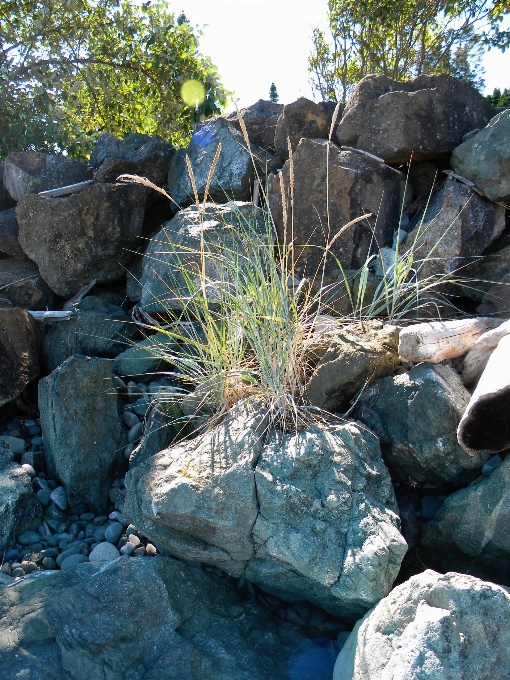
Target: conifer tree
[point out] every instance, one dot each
(273, 94)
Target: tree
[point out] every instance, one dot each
(273, 94)
(70, 70)
(498, 98)
(402, 39)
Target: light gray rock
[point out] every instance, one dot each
(485, 159)
(97, 328)
(104, 552)
(223, 228)
(82, 430)
(29, 172)
(19, 352)
(234, 174)
(317, 520)
(145, 358)
(432, 627)
(22, 284)
(139, 618)
(19, 508)
(416, 416)
(426, 117)
(470, 532)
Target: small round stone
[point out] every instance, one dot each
(116, 516)
(127, 549)
(29, 470)
(29, 567)
(59, 497)
(150, 549)
(134, 434)
(133, 538)
(43, 496)
(29, 537)
(129, 419)
(6, 569)
(104, 552)
(74, 559)
(140, 551)
(49, 563)
(99, 534)
(131, 529)
(113, 532)
(87, 516)
(18, 572)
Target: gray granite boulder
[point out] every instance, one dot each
(19, 508)
(9, 234)
(97, 328)
(19, 352)
(84, 236)
(426, 117)
(416, 416)
(358, 184)
(22, 284)
(470, 531)
(260, 120)
(29, 172)
(302, 118)
(149, 617)
(485, 159)
(82, 430)
(234, 174)
(223, 228)
(311, 516)
(432, 627)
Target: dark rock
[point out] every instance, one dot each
(358, 185)
(82, 430)
(423, 176)
(29, 172)
(19, 352)
(85, 236)
(6, 202)
(302, 118)
(426, 117)
(329, 109)
(496, 302)
(22, 284)
(416, 416)
(144, 155)
(146, 357)
(410, 529)
(9, 234)
(429, 507)
(96, 329)
(260, 120)
(150, 617)
(163, 426)
(20, 510)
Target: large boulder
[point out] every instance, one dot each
(485, 159)
(22, 284)
(223, 228)
(426, 117)
(358, 184)
(97, 328)
(302, 118)
(9, 234)
(451, 233)
(149, 617)
(29, 172)
(356, 353)
(416, 416)
(144, 155)
(19, 352)
(234, 174)
(84, 236)
(470, 531)
(82, 430)
(19, 508)
(145, 358)
(432, 627)
(309, 515)
(260, 120)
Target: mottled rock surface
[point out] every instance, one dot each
(19, 352)
(22, 284)
(9, 234)
(302, 118)
(260, 120)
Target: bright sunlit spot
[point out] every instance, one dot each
(192, 93)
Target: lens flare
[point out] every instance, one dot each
(192, 93)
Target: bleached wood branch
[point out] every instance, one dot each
(51, 317)
(477, 357)
(65, 191)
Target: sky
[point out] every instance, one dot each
(256, 42)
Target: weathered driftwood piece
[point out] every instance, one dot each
(76, 298)
(485, 424)
(476, 359)
(436, 341)
(51, 317)
(65, 191)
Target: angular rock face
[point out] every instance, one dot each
(485, 159)
(426, 117)
(302, 118)
(260, 120)
(98, 621)
(19, 352)
(85, 236)
(9, 234)
(234, 174)
(416, 416)
(356, 353)
(29, 172)
(222, 226)
(358, 185)
(96, 329)
(144, 357)
(455, 229)
(470, 532)
(19, 508)
(447, 626)
(310, 517)
(496, 302)
(82, 430)
(22, 284)
(136, 154)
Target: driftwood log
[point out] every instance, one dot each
(65, 191)
(51, 317)
(477, 357)
(436, 341)
(485, 424)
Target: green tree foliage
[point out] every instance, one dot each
(402, 39)
(498, 98)
(273, 93)
(72, 69)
